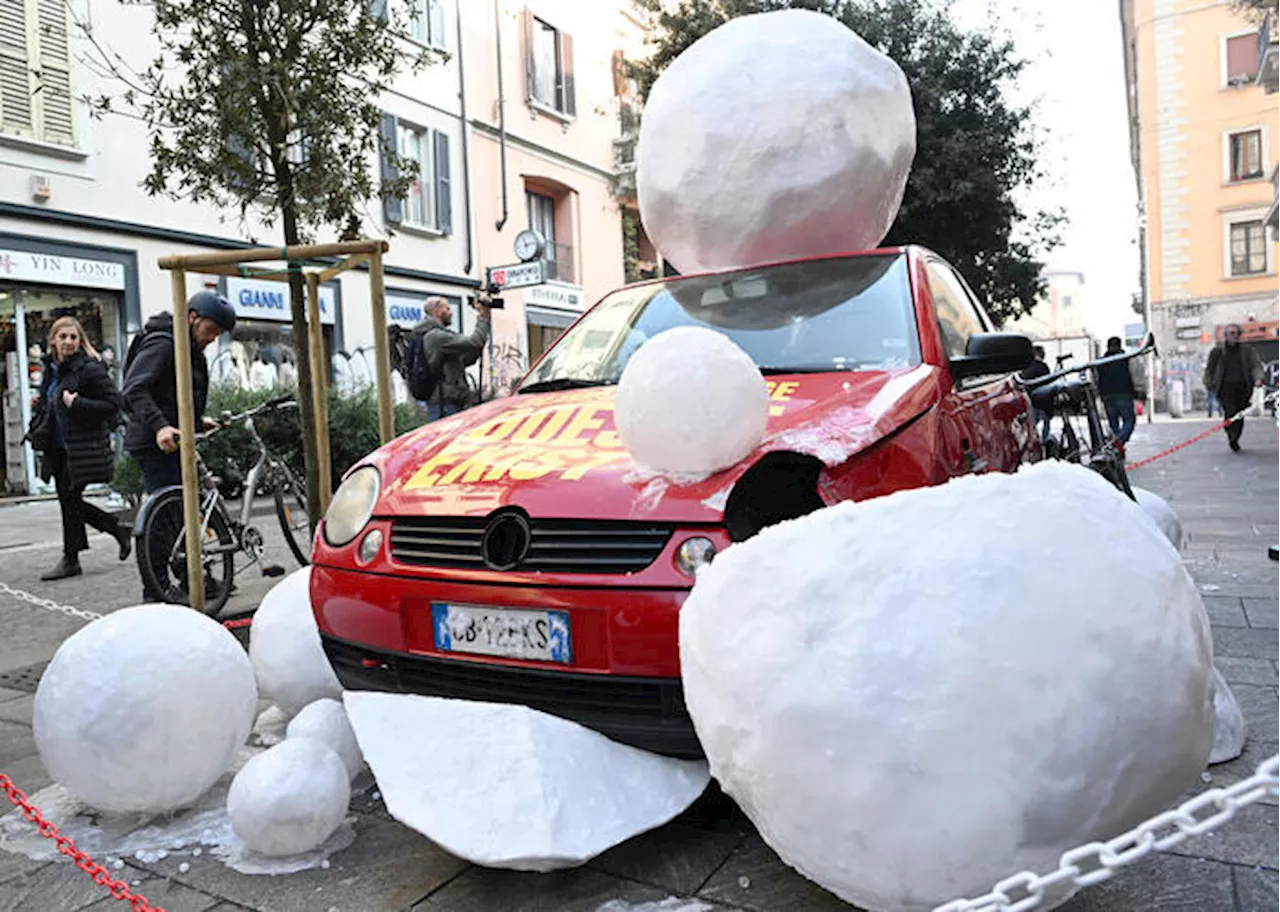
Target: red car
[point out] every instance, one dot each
(514, 553)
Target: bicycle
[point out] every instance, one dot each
(1072, 393)
(162, 544)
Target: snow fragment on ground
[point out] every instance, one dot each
(1158, 509)
(284, 646)
(877, 683)
(670, 904)
(270, 728)
(1228, 722)
(290, 798)
(690, 402)
(775, 136)
(143, 710)
(509, 787)
(326, 721)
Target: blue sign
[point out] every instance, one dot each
(258, 299)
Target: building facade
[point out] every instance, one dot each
(1204, 138)
(78, 234)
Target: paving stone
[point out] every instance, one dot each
(675, 857)
(27, 773)
(57, 886)
(1247, 671)
(18, 710)
(1257, 748)
(1249, 838)
(16, 742)
(1244, 643)
(1256, 889)
(1263, 613)
(1224, 611)
(1161, 883)
(770, 884)
(1259, 705)
(573, 890)
(159, 892)
(14, 865)
(6, 694)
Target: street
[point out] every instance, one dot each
(710, 855)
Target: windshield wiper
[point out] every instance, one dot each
(829, 369)
(563, 383)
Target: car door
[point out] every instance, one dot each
(986, 423)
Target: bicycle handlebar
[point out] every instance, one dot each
(272, 403)
(1148, 347)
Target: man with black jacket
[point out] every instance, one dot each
(1231, 372)
(450, 354)
(1119, 384)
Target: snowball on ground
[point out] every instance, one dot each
(143, 710)
(776, 136)
(1228, 722)
(1161, 514)
(284, 645)
(290, 798)
(326, 721)
(690, 402)
(878, 683)
(510, 787)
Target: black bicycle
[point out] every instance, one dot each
(1071, 396)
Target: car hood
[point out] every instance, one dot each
(558, 455)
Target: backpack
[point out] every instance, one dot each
(420, 375)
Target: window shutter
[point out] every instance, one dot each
(1242, 57)
(444, 198)
(530, 71)
(16, 114)
(57, 117)
(392, 207)
(566, 66)
(435, 14)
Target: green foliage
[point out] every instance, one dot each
(630, 246)
(126, 480)
(976, 150)
(1256, 10)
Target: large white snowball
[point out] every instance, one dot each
(1228, 722)
(326, 721)
(690, 402)
(289, 798)
(1161, 514)
(776, 136)
(913, 698)
(510, 787)
(143, 710)
(284, 645)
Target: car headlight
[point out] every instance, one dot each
(352, 506)
(694, 554)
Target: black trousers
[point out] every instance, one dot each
(76, 512)
(1235, 398)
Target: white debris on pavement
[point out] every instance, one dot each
(670, 904)
(284, 645)
(1228, 722)
(509, 787)
(290, 798)
(878, 683)
(270, 728)
(774, 137)
(690, 401)
(1161, 514)
(143, 710)
(326, 721)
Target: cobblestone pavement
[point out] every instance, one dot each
(710, 855)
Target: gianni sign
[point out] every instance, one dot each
(256, 299)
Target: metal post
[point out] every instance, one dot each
(382, 356)
(24, 386)
(187, 440)
(319, 390)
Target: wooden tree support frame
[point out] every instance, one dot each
(231, 263)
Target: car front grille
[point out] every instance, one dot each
(555, 545)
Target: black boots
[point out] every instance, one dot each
(68, 566)
(124, 536)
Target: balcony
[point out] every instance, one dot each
(560, 264)
(1268, 70)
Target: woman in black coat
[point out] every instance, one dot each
(76, 409)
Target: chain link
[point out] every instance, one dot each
(48, 604)
(1098, 861)
(100, 875)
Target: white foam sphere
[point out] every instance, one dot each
(1161, 514)
(284, 645)
(775, 136)
(912, 698)
(326, 721)
(143, 710)
(1228, 722)
(690, 402)
(290, 798)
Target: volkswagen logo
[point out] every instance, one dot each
(505, 542)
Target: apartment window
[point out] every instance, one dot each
(426, 22)
(1245, 150)
(429, 202)
(1240, 58)
(549, 66)
(35, 72)
(541, 210)
(1248, 243)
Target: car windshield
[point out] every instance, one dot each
(848, 313)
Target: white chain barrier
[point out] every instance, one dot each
(1098, 861)
(47, 604)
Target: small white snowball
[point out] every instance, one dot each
(1161, 514)
(284, 645)
(690, 402)
(880, 682)
(1228, 722)
(326, 721)
(773, 137)
(143, 710)
(184, 868)
(290, 798)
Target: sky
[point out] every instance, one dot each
(1076, 77)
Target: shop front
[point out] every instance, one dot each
(549, 310)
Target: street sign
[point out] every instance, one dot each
(517, 275)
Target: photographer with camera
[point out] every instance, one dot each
(437, 359)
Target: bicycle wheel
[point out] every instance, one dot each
(1070, 447)
(162, 554)
(291, 510)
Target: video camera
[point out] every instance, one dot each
(488, 297)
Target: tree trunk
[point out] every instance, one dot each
(302, 351)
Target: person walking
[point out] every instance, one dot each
(449, 354)
(76, 408)
(1119, 384)
(1231, 372)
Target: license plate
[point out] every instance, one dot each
(512, 633)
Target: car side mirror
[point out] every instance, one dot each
(993, 353)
